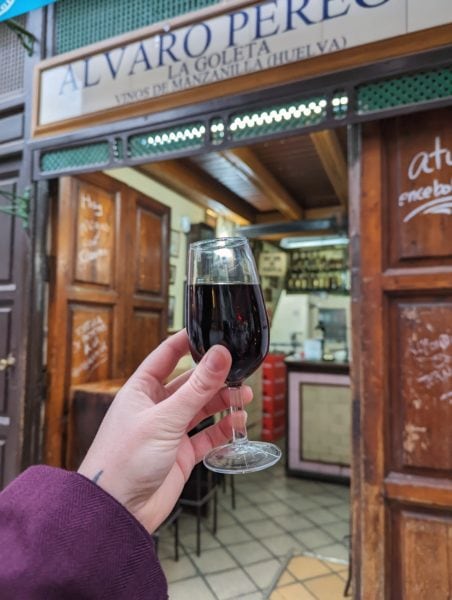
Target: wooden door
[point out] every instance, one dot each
(147, 262)
(14, 246)
(401, 247)
(108, 296)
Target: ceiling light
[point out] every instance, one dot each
(290, 243)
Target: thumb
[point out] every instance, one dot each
(205, 381)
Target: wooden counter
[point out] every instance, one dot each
(317, 366)
(318, 419)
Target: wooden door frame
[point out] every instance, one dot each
(366, 465)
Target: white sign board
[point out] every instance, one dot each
(258, 37)
(272, 264)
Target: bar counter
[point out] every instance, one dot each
(318, 419)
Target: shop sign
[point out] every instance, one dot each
(272, 264)
(14, 8)
(232, 44)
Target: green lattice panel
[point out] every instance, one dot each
(278, 118)
(56, 161)
(82, 22)
(166, 141)
(217, 131)
(407, 89)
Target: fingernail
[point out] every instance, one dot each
(215, 359)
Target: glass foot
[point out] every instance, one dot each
(242, 457)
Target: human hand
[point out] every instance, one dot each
(142, 454)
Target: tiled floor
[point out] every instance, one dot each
(310, 578)
(275, 518)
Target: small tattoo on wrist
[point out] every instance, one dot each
(96, 477)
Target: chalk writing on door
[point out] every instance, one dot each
(89, 346)
(436, 196)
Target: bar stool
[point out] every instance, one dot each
(200, 488)
(172, 519)
(223, 480)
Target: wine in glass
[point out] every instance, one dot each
(225, 306)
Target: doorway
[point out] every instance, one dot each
(285, 180)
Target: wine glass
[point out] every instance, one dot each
(225, 306)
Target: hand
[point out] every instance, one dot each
(142, 454)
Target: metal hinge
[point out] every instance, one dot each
(26, 38)
(19, 205)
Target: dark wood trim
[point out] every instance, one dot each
(32, 385)
(190, 180)
(435, 278)
(426, 492)
(248, 165)
(333, 161)
(311, 366)
(354, 177)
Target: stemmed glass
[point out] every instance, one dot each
(225, 306)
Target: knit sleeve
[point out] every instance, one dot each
(62, 536)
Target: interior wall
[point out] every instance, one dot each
(180, 208)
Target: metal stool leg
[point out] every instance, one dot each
(198, 530)
(232, 492)
(215, 511)
(176, 539)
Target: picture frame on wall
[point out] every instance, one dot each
(171, 306)
(174, 243)
(172, 276)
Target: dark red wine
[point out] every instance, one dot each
(233, 315)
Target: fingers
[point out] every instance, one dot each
(211, 437)
(162, 361)
(219, 403)
(202, 386)
(175, 383)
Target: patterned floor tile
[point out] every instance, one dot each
(230, 584)
(264, 573)
(234, 534)
(214, 561)
(249, 552)
(282, 545)
(191, 588)
(263, 529)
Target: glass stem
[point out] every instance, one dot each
(239, 434)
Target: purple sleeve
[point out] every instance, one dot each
(62, 536)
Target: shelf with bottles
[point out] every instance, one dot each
(319, 270)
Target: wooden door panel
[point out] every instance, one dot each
(401, 251)
(15, 258)
(5, 349)
(423, 562)
(6, 237)
(421, 392)
(95, 239)
(149, 264)
(147, 296)
(90, 340)
(146, 333)
(108, 306)
(84, 320)
(418, 156)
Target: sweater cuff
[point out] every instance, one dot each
(63, 534)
